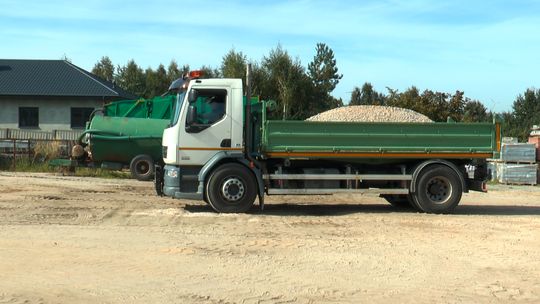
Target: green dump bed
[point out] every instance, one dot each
(337, 140)
(160, 107)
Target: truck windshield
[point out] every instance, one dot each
(177, 108)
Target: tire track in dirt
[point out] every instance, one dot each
(123, 244)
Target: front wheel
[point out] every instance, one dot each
(231, 188)
(438, 189)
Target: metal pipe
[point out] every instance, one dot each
(248, 130)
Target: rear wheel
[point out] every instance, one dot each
(231, 188)
(142, 167)
(438, 189)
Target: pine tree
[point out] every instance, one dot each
(131, 78)
(104, 68)
(323, 69)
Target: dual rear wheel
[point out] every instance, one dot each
(438, 190)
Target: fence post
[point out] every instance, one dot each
(29, 154)
(14, 154)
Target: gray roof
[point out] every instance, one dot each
(53, 78)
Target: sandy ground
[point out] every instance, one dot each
(89, 240)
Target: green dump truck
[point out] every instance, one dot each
(124, 134)
(226, 152)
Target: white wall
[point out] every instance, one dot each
(54, 113)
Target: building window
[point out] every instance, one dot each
(79, 117)
(28, 117)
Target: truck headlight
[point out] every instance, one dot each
(172, 173)
(164, 151)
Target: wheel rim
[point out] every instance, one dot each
(142, 167)
(233, 189)
(439, 189)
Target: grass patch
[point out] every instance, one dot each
(103, 173)
(26, 164)
(44, 151)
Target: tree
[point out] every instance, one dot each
(438, 106)
(288, 84)
(323, 69)
(210, 72)
(410, 99)
(356, 97)
(323, 72)
(104, 68)
(259, 81)
(157, 82)
(475, 111)
(174, 72)
(456, 106)
(526, 113)
(366, 96)
(433, 104)
(131, 78)
(233, 65)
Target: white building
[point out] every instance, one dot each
(48, 95)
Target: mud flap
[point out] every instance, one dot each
(158, 180)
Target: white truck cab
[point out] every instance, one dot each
(207, 124)
(216, 125)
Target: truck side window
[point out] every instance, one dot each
(210, 106)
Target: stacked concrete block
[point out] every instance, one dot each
(535, 140)
(517, 164)
(518, 153)
(520, 174)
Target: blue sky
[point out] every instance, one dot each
(489, 49)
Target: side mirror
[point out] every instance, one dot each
(176, 85)
(191, 115)
(193, 95)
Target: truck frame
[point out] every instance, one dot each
(237, 155)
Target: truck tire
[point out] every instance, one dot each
(231, 188)
(438, 189)
(142, 167)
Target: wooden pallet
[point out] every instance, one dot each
(519, 184)
(500, 161)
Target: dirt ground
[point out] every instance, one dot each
(90, 240)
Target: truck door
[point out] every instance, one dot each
(207, 126)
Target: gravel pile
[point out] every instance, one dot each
(370, 114)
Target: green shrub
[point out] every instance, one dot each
(24, 164)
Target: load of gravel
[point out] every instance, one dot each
(370, 114)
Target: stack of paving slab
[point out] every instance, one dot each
(517, 164)
(534, 138)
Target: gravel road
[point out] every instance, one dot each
(89, 240)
